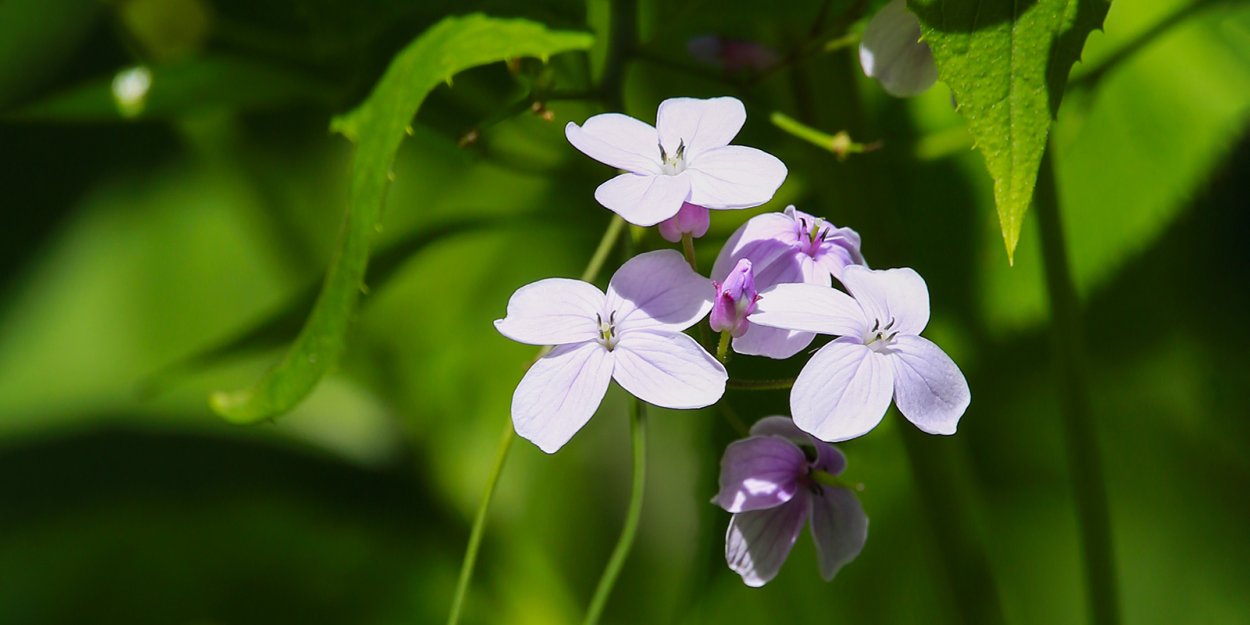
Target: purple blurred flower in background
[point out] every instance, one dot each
(691, 219)
(846, 387)
(684, 158)
(735, 299)
(786, 247)
(770, 482)
(732, 55)
(891, 52)
(633, 334)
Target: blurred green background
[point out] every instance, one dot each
(150, 259)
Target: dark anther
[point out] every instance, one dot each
(889, 325)
(612, 317)
(681, 149)
(663, 154)
(876, 325)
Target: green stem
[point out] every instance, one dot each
(760, 385)
(1080, 434)
(829, 479)
(638, 434)
(722, 348)
(687, 248)
(479, 525)
(610, 235)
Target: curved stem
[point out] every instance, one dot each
(638, 435)
(760, 385)
(479, 525)
(610, 235)
(1080, 434)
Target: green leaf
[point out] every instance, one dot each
(1006, 63)
(377, 127)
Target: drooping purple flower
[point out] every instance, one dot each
(735, 299)
(691, 219)
(768, 482)
(891, 52)
(631, 334)
(685, 157)
(846, 387)
(791, 246)
(732, 55)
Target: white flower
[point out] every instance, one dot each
(686, 157)
(892, 52)
(846, 387)
(633, 334)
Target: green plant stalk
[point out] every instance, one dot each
(760, 385)
(610, 235)
(1080, 433)
(722, 348)
(687, 248)
(638, 436)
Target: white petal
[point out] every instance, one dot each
(658, 290)
(617, 140)
(891, 52)
(775, 227)
(758, 542)
(699, 124)
(560, 393)
(890, 294)
(734, 177)
(842, 392)
(554, 311)
(810, 308)
(929, 388)
(668, 369)
(839, 528)
(644, 200)
(771, 342)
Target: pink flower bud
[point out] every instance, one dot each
(691, 218)
(735, 300)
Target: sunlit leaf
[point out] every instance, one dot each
(1006, 64)
(377, 127)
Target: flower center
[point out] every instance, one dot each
(880, 337)
(607, 330)
(811, 235)
(673, 164)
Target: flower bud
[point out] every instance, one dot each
(891, 52)
(691, 218)
(735, 300)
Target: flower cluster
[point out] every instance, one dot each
(779, 281)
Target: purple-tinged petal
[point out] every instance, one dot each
(560, 393)
(758, 542)
(838, 250)
(691, 219)
(772, 342)
(668, 369)
(658, 291)
(775, 228)
(758, 473)
(929, 388)
(842, 392)
(699, 125)
(734, 176)
(886, 295)
(839, 528)
(828, 458)
(735, 300)
(554, 311)
(810, 308)
(617, 140)
(644, 200)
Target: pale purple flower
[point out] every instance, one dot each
(632, 334)
(766, 481)
(691, 219)
(735, 299)
(891, 51)
(846, 387)
(792, 246)
(685, 157)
